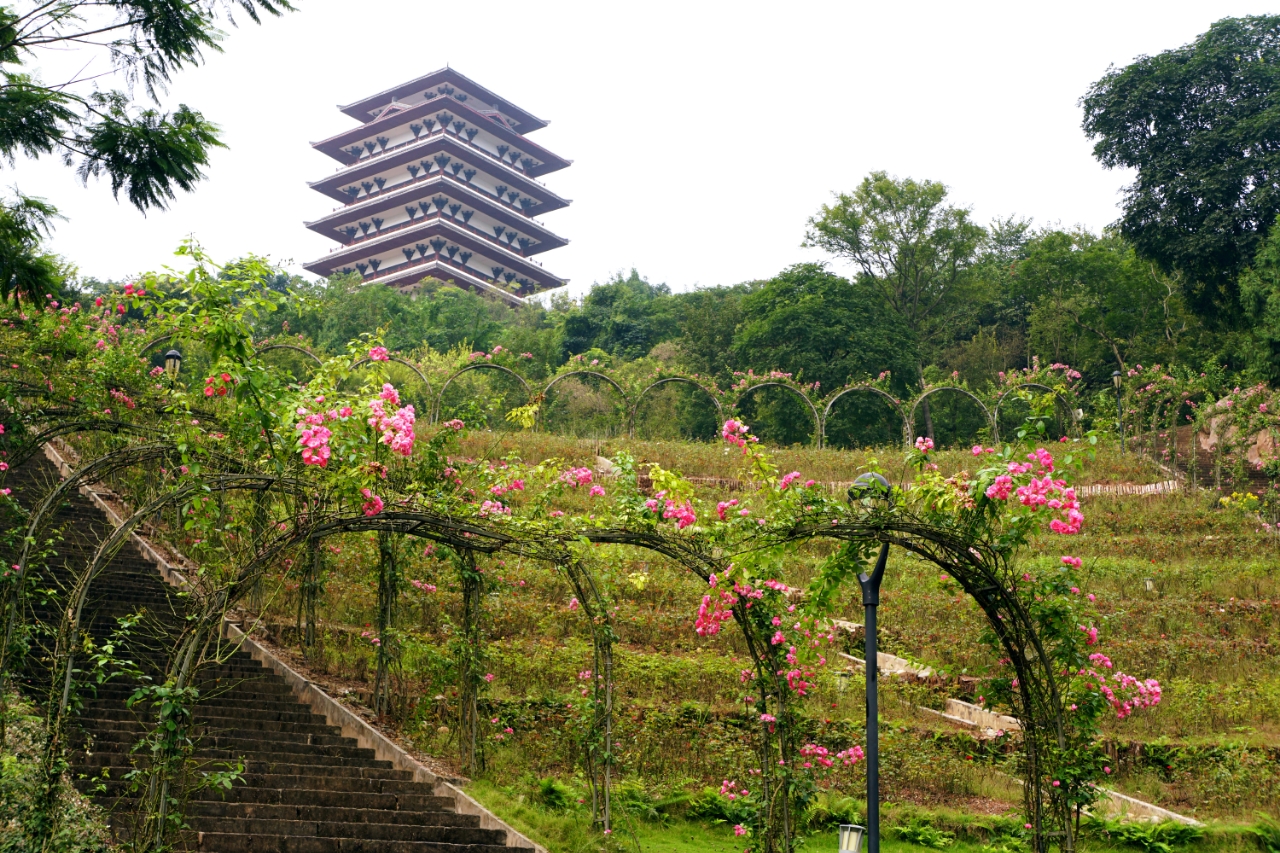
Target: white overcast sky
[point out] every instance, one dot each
(704, 134)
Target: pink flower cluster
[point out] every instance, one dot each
(500, 490)
(493, 508)
(315, 446)
(576, 477)
(372, 503)
(379, 354)
(725, 505)
(924, 444)
(711, 612)
(736, 433)
(788, 479)
(682, 513)
(396, 427)
(1129, 694)
(425, 587)
(1042, 491)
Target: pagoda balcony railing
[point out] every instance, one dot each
(439, 214)
(434, 257)
(527, 214)
(370, 156)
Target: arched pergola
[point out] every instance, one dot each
(893, 402)
(986, 413)
(483, 365)
(626, 401)
(813, 410)
(635, 408)
(1003, 395)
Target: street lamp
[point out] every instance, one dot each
(172, 363)
(873, 486)
(1116, 380)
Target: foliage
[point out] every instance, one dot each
(908, 244)
(1160, 837)
(80, 828)
(147, 153)
(1198, 125)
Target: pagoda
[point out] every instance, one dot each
(439, 181)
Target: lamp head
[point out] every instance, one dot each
(869, 485)
(172, 363)
(1115, 379)
(851, 837)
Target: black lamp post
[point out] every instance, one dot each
(1116, 381)
(872, 485)
(172, 363)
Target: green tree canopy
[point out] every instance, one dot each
(146, 153)
(1201, 125)
(822, 328)
(911, 246)
(1097, 304)
(625, 317)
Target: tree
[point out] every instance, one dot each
(25, 270)
(912, 247)
(147, 153)
(1119, 306)
(1260, 296)
(823, 328)
(1200, 125)
(625, 317)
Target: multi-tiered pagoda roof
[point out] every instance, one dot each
(440, 182)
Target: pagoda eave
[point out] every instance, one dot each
(363, 109)
(327, 226)
(332, 185)
(388, 243)
(335, 146)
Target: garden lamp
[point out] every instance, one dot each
(172, 363)
(851, 838)
(873, 486)
(1116, 380)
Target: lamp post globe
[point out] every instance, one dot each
(172, 363)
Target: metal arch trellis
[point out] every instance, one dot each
(398, 360)
(635, 408)
(294, 347)
(772, 383)
(626, 407)
(484, 365)
(1072, 411)
(892, 400)
(956, 388)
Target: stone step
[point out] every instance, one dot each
(241, 727)
(219, 842)
(220, 716)
(93, 765)
(382, 832)
(314, 797)
(272, 811)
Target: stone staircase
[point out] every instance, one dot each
(305, 788)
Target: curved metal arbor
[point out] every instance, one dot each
(635, 408)
(1072, 411)
(893, 401)
(484, 365)
(813, 410)
(593, 373)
